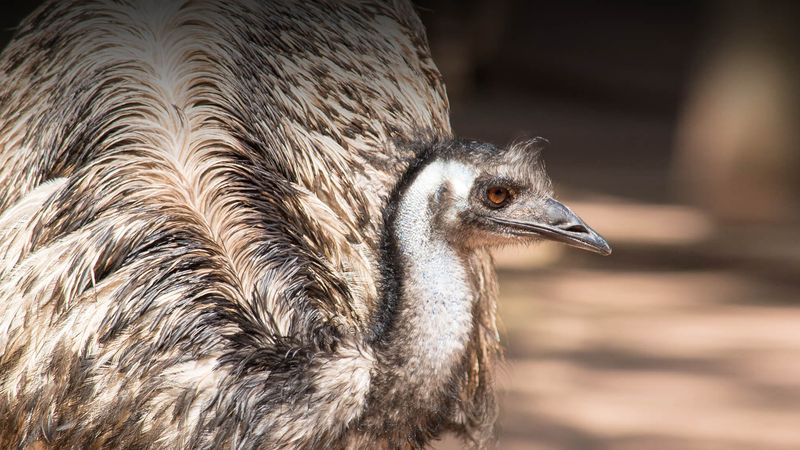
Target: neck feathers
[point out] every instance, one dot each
(428, 298)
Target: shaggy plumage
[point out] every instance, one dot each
(192, 196)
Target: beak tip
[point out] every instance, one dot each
(601, 247)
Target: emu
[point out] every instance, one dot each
(248, 225)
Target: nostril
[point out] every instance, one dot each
(577, 228)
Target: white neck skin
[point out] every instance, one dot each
(437, 298)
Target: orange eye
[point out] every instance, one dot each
(497, 195)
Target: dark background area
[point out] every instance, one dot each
(675, 131)
(13, 11)
(599, 79)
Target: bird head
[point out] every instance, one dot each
(482, 195)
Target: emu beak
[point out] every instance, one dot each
(560, 224)
(563, 225)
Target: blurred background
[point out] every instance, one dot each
(675, 132)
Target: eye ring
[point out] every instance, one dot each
(497, 196)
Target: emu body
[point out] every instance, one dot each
(191, 202)
(247, 225)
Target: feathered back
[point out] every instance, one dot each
(190, 206)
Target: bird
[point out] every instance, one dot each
(249, 225)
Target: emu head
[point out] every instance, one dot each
(484, 195)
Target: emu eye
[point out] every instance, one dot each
(497, 196)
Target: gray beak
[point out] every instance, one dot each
(560, 224)
(563, 225)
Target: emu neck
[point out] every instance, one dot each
(434, 315)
